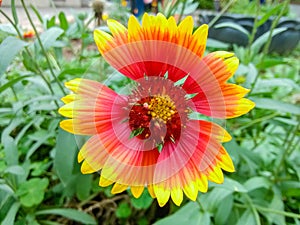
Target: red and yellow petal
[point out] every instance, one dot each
(91, 107)
(140, 49)
(186, 166)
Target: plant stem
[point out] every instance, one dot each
(254, 121)
(273, 26)
(286, 150)
(215, 19)
(12, 23)
(254, 210)
(270, 210)
(42, 47)
(182, 10)
(267, 45)
(253, 32)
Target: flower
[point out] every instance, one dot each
(28, 34)
(148, 138)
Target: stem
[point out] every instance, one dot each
(273, 26)
(267, 45)
(253, 32)
(254, 210)
(172, 8)
(12, 23)
(258, 120)
(270, 210)
(42, 47)
(286, 150)
(182, 10)
(215, 19)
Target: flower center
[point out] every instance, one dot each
(157, 111)
(161, 107)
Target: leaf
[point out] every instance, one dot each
(8, 28)
(83, 186)
(12, 82)
(246, 218)
(51, 22)
(224, 210)
(50, 36)
(143, 202)
(63, 21)
(32, 191)
(37, 13)
(17, 170)
(256, 183)
(270, 13)
(9, 48)
(290, 188)
(14, 12)
(212, 43)
(65, 153)
(231, 185)
(188, 214)
(123, 210)
(233, 26)
(72, 214)
(259, 42)
(6, 188)
(270, 62)
(11, 215)
(276, 82)
(266, 103)
(277, 204)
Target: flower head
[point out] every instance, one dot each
(29, 34)
(148, 138)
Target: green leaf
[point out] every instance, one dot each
(259, 42)
(14, 12)
(270, 62)
(247, 218)
(72, 214)
(12, 82)
(187, 214)
(65, 153)
(17, 170)
(212, 43)
(233, 26)
(256, 183)
(50, 36)
(123, 210)
(11, 215)
(231, 185)
(9, 48)
(136, 132)
(291, 188)
(270, 13)
(32, 191)
(143, 202)
(63, 21)
(51, 22)
(266, 103)
(83, 186)
(37, 13)
(223, 210)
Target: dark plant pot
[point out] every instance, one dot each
(286, 41)
(283, 42)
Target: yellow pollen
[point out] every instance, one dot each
(161, 107)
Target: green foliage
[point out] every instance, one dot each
(32, 191)
(40, 178)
